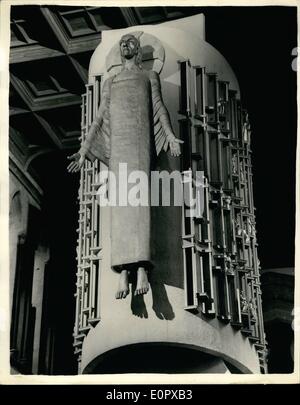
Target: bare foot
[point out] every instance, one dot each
(142, 284)
(123, 288)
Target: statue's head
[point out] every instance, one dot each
(130, 48)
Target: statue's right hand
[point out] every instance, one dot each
(77, 162)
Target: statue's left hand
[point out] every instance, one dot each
(175, 146)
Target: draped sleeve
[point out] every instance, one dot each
(96, 145)
(163, 132)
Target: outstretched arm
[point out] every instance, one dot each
(95, 127)
(164, 135)
(91, 140)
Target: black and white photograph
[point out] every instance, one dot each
(148, 168)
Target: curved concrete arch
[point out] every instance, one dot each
(210, 356)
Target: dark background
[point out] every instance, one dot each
(257, 42)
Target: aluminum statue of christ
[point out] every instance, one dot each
(131, 122)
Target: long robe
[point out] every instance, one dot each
(134, 118)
